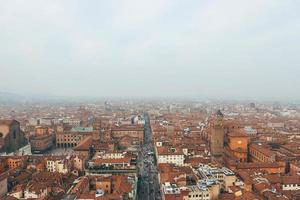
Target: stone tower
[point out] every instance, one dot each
(217, 135)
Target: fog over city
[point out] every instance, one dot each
(209, 49)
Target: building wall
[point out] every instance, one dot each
(57, 166)
(14, 162)
(112, 155)
(236, 144)
(214, 192)
(82, 153)
(132, 133)
(41, 130)
(199, 195)
(72, 122)
(256, 155)
(217, 140)
(228, 181)
(172, 159)
(3, 186)
(104, 185)
(41, 143)
(295, 186)
(4, 129)
(28, 195)
(61, 167)
(294, 169)
(78, 163)
(14, 139)
(64, 140)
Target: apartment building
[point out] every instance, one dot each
(57, 165)
(170, 155)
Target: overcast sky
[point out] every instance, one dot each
(217, 49)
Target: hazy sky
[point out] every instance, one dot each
(221, 49)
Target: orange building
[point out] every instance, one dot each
(103, 183)
(237, 145)
(14, 162)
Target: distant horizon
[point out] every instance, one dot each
(50, 98)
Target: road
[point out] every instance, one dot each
(148, 186)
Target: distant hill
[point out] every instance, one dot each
(12, 98)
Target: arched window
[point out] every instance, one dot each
(14, 134)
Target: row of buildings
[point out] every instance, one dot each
(94, 160)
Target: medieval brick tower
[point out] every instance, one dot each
(217, 135)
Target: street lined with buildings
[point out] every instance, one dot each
(149, 187)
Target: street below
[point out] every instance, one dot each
(148, 185)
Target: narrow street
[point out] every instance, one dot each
(148, 186)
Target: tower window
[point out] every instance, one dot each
(14, 134)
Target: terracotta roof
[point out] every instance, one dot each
(84, 145)
(238, 133)
(245, 196)
(261, 187)
(105, 197)
(258, 165)
(283, 179)
(169, 151)
(9, 198)
(197, 160)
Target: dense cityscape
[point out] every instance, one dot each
(150, 150)
(149, 100)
